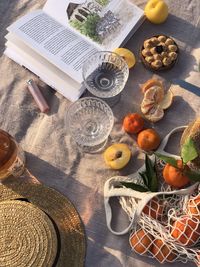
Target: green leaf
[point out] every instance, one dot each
(102, 2)
(149, 176)
(145, 178)
(134, 186)
(150, 170)
(188, 150)
(170, 160)
(192, 175)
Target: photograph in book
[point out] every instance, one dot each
(100, 20)
(106, 24)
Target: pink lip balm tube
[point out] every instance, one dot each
(37, 95)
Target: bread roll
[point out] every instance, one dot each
(193, 131)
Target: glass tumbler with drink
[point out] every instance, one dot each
(12, 158)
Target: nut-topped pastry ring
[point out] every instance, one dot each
(159, 53)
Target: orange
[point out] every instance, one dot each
(149, 83)
(186, 230)
(133, 123)
(155, 113)
(155, 100)
(141, 241)
(193, 207)
(162, 251)
(175, 176)
(167, 100)
(148, 139)
(155, 94)
(154, 208)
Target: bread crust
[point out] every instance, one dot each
(193, 131)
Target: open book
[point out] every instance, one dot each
(54, 42)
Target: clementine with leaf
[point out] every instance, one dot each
(175, 176)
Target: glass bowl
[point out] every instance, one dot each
(105, 74)
(90, 121)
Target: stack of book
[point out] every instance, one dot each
(54, 42)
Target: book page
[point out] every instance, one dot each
(104, 23)
(49, 73)
(61, 46)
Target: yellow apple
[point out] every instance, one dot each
(117, 156)
(156, 11)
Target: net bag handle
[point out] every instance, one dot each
(164, 142)
(111, 189)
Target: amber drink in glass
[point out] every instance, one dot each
(12, 158)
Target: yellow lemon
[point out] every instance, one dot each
(127, 55)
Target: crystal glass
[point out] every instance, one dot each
(105, 74)
(12, 157)
(90, 121)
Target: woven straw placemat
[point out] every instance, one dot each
(27, 235)
(69, 228)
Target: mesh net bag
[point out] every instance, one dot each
(164, 225)
(168, 228)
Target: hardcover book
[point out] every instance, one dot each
(55, 41)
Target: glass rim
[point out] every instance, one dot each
(106, 94)
(102, 52)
